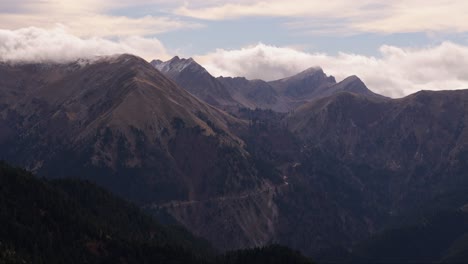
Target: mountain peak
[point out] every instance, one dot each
(305, 84)
(353, 84)
(313, 70)
(177, 65)
(352, 79)
(194, 78)
(175, 59)
(156, 62)
(121, 59)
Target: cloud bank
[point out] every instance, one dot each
(58, 45)
(396, 16)
(396, 72)
(149, 17)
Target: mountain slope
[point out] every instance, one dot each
(427, 128)
(195, 79)
(281, 95)
(76, 222)
(374, 160)
(304, 85)
(69, 221)
(122, 124)
(313, 83)
(118, 115)
(339, 168)
(440, 238)
(252, 94)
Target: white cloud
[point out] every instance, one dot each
(274, 8)
(394, 16)
(99, 18)
(97, 25)
(88, 17)
(57, 45)
(396, 72)
(419, 16)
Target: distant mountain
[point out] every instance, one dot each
(69, 221)
(231, 93)
(304, 85)
(351, 84)
(195, 79)
(251, 93)
(313, 83)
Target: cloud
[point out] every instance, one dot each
(88, 18)
(98, 25)
(149, 17)
(273, 8)
(396, 72)
(419, 16)
(357, 16)
(58, 45)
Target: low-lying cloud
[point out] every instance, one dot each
(396, 72)
(58, 45)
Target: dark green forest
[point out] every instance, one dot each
(438, 237)
(71, 221)
(441, 237)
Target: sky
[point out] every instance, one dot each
(397, 47)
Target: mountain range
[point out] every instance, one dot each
(318, 165)
(281, 95)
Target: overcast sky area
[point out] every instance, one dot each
(396, 47)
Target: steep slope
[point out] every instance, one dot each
(120, 123)
(251, 93)
(375, 159)
(423, 129)
(119, 114)
(195, 79)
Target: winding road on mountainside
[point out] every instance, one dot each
(245, 195)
